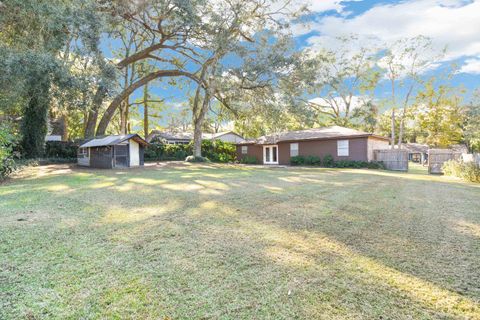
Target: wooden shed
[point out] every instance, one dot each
(121, 151)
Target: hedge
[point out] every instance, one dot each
(249, 160)
(329, 162)
(215, 151)
(61, 150)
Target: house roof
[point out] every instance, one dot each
(324, 133)
(113, 140)
(219, 134)
(168, 135)
(415, 147)
(423, 148)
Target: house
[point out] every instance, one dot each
(227, 136)
(120, 151)
(419, 152)
(186, 137)
(416, 152)
(339, 142)
(167, 137)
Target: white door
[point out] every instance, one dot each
(270, 154)
(134, 154)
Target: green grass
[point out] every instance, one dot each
(225, 242)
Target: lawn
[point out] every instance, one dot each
(229, 242)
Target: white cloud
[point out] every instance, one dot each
(355, 102)
(451, 23)
(471, 66)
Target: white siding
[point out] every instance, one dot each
(230, 137)
(376, 144)
(134, 151)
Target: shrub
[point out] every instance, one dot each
(160, 152)
(375, 165)
(328, 161)
(61, 150)
(217, 151)
(313, 161)
(196, 159)
(8, 144)
(249, 160)
(297, 160)
(469, 171)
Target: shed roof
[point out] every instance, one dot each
(324, 133)
(113, 140)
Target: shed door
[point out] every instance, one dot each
(134, 153)
(121, 155)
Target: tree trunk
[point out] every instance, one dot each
(35, 117)
(91, 123)
(64, 128)
(198, 124)
(123, 119)
(393, 129)
(93, 112)
(145, 110)
(400, 133)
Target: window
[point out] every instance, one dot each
(244, 149)
(342, 148)
(293, 149)
(83, 153)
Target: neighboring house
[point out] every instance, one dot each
(170, 137)
(187, 137)
(339, 142)
(419, 152)
(227, 136)
(53, 137)
(120, 151)
(416, 152)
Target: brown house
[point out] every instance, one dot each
(339, 142)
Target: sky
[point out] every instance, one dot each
(451, 24)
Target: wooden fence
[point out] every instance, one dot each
(437, 157)
(395, 159)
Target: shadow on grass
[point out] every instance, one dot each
(220, 242)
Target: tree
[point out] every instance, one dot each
(34, 35)
(440, 115)
(404, 61)
(368, 115)
(472, 123)
(342, 79)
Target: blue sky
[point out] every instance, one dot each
(454, 24)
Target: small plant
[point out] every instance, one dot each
(313, 161)
(297, 160)
(328, 161)
(196, 159)
(249, 160)
(375, 165)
